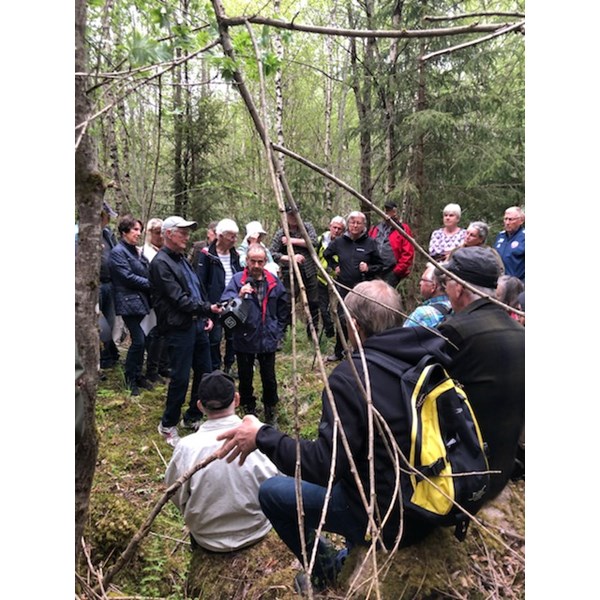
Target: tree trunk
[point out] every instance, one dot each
(179, 191)
(89, 191)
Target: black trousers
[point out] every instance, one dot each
(266, 364)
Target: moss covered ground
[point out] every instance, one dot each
(129, 481)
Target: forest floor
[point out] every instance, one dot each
(128, 483)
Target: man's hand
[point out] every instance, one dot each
(240, 441)
(209, 325)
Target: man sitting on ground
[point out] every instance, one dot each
(374, 306)
(219, 504)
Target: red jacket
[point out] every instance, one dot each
(403, 250)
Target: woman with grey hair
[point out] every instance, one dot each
(448, 237)
(477, 233)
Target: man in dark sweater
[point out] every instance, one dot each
(378, 325)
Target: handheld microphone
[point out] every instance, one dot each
(251, 282)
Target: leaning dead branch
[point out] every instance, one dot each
(128, 553)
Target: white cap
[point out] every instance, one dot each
(179, 222)
(226, 225)
(254, 228)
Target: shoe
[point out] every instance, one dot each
(145, 383)
(329, 333)
(193, 425)
(333, 358)
(271, 415)
(134, 389)
(301, 585)
(165, 373)
(156, 378)
(170, 434)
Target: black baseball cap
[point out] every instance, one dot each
(216, 390)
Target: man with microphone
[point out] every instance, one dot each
(258, 336)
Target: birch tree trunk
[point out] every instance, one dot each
(89, 191)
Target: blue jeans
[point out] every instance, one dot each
(277, 497)
(188, 350)
(135, 355)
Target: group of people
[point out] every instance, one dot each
(479, 341)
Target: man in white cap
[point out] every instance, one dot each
(182, 315)
(255, 234)
(217, 263)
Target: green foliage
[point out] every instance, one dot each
(143, 50)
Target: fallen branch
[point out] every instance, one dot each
(145, 528)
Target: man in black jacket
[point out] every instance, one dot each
(109, 353)
(182, 315)
(487, 348)
(379, 328)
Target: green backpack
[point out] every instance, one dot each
(447, 462)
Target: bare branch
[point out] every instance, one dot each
(364, 33)
(500, 32)
(516, 15)
(145, 528)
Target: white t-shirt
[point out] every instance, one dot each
(226, 262)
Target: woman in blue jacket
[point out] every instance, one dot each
(129, 272)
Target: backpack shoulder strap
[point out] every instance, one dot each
(395, 366)
(441, 308)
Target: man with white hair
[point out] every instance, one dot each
(182, 314)
(510, 243)
(217, 264)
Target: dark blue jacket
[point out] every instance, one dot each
(511, 249)
(129, 274)
(266, 322)
(211, 273)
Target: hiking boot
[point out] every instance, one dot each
(170, 434)
(145, 383)
(156, 378)
(134, 389)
